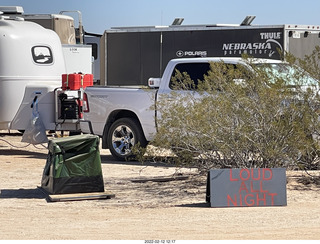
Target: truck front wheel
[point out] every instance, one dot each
(123, 134)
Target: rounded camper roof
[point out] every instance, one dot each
(20, 47)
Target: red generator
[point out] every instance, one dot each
(76, 81)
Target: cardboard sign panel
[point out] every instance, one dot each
(247, 187)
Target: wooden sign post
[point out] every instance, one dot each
(247, 187)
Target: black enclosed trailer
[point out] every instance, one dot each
(131, 55)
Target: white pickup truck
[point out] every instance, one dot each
(123, 116)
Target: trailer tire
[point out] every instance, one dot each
(123, 134)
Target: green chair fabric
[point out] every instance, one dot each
(73, 165)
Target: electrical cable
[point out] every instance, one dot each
(22, 146)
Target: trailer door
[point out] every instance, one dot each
(302, 43)
(132, 58)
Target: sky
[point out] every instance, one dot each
(100, 15)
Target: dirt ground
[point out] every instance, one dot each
(173, 210)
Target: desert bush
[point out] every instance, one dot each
(237, 118)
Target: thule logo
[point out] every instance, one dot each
(270, 35)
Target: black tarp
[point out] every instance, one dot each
(73, 166)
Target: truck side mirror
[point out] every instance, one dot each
(154, 82)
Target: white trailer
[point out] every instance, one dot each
(30, 55)
(32, 62)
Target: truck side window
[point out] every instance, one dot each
(186, 75)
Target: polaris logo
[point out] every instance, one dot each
(181, 53)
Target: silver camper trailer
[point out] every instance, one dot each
(32, 62)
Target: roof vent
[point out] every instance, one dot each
(248, 20)
(177, 21)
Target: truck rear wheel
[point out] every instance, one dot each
(123, 134)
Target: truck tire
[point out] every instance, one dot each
(123, 134)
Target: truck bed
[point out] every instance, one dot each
(105, 100)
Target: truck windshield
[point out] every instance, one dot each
(292, 75)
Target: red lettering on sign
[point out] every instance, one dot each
(252, 174)
(261, 199)
(272, 195)
(243, 187)
(231, 179)
(261, 190)
(251, 200)
(241, 174)
(233, 201)
(246, 174)
(254, 192)
(264, 174)
(251, 187)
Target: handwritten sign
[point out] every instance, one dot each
(247, 187)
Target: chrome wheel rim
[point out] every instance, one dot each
(123, 140)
